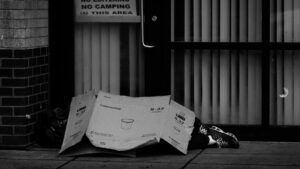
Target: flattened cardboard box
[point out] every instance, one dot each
(115, 123)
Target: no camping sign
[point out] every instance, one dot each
(105, 7)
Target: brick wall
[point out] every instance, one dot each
(23, 70)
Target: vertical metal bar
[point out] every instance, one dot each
(288, 62)
(132, 60)
(215, 86)
(258, 23)
(288, 20)
(172, 51)
(78, 60)
(234, 87)
(215, 21)
(243, 65)
(114, 54)
(206, 19)
(233, 21)
(141, 67)
(243, 87)
(243, 20)
(279, 19)
(225, 63)
(197, 58)
(266, 65)
(96, 73)
(234, 62)
(252, 20)
(251, 62)
(297, 87)
(187, 54)
(272, 89)
(288, 87)
(258, 84)
(296, 21)
(272, 21)
(104, 57)
(215, 62)
(87, 55)
(206, 86)
(279, 68)
(197, 83)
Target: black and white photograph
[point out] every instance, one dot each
(149, 84)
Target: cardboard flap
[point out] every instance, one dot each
(179, 126)
(80, 112)
(84, 147)
(122, 123)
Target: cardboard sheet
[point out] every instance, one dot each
(114, 123)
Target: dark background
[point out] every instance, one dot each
(61, 34)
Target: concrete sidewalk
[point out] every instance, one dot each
(275, 155)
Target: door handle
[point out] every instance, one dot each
(142, 26)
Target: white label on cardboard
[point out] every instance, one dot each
(105, 7)
(78, 120)
(122, 123)
(179, 126)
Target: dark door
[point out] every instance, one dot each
(234, 62)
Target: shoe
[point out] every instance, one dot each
(223, 139)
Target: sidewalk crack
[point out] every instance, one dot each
(186, 164)
(66, 163)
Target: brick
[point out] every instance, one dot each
(13, 43)
(32, 61)
(6, 120)
(6, 130)
(36, 89)
(44, 51)
(15, 140)
(44, 87)
(22, 91)
(46, 78)
(46, 95)
(15, 101)
(23, 130)
(37, 32)
(19, 33)
(41, 13)
(37, 23)
(40, 60)
(23, 53)
(33, 99)
(23, 72)
(36, 70)
(23, 110)
(31, 4)
(37, 52)
(41, 97)
(6, 53)
(14, 82)
(44, 69)
(4, 23)
(17, 23)
(38, 80)
(15, 63)
(42, 4)
(12, 4)
(39, 107)
(6, 111)
(6, 91)
(40, 41)
(6, 73)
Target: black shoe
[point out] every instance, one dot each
(223, 139)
